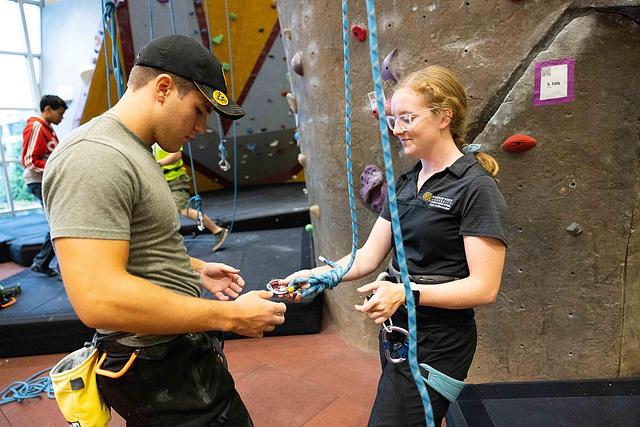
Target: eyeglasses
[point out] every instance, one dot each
(404, 120)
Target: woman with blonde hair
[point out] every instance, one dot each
(454, 228)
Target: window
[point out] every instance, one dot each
(20, 46)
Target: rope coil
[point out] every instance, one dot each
(30, 388)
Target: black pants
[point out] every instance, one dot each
(449, 349)
(46, 254)
(181, 383)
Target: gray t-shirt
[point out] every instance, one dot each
(103, 182)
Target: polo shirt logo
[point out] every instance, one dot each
(427, 196)
(440, 202)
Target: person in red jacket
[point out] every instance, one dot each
(38, 141)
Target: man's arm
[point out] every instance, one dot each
(106, 296)
(170, 158)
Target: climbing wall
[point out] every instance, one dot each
(245, 36)
(559, 74)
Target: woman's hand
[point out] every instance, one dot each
(305, 274)
(385, 301)
(221, 280)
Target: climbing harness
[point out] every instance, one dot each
(395, 345)
(396, 349)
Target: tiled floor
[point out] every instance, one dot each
(304, 380)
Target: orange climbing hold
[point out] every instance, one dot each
(518, 143)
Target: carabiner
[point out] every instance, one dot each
(224, 164)
(278, 287)
(401, 348)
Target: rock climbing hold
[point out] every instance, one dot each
(233, 16)
(518, 143)
(373, 189)
(302, 159)
(293, 103)
(287, 33)
(226, 66)
(388, 73)
(296, 64)
(284, 92)
(574, 229)
(315, 210)
(261, 30)
(359, 32)
(249, 130)
(308, 228)
(295, 136)
(251, 147)
(273, 143)
(217, 39)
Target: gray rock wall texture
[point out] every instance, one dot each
(569, 305)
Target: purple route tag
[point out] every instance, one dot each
(553, 82)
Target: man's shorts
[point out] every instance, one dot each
(180, 188)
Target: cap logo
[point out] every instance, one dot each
(220, 97)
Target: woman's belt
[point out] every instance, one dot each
(421, 279)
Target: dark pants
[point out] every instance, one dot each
(46, 254)
(449, 349)
(181, 383)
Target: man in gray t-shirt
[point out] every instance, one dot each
(123, 261)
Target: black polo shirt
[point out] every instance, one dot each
(462, 200)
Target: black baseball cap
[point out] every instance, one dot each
(185, 57)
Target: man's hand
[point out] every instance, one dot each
(386, 300)
(256, 314)
(221, 279)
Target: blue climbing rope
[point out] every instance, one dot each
(30, 388)
(393, 208)
(173, 17)
(331, 278)
(195, 201)
(110, 27)
(234, 129)
(150, 8)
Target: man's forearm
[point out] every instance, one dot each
(133, 304)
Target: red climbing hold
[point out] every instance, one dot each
(359, 32)
(518, 143)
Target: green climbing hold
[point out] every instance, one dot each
(226, 66)
(308, 228)
(217, 39)
(233, 16)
